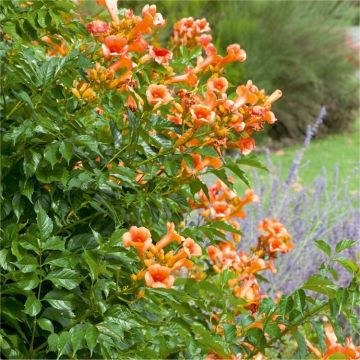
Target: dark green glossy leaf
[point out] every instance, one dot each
(32, 305)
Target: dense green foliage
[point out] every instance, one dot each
(66, 280)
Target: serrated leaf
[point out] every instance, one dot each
(347, 264)
(115, 133)
(18, 205)
(67, 278)
(50, 154)
(31, 163)
(32, 305)
(300, 300)
(54, 243)
(266, 305)
(323, 246)
(230, 332)
(344, 244)
(44, 223)
(238, 172)
(27, 264)
(133, 127)
(92, 263)
(60, 299)
(77, 334)
(64, 344)
(66, 150)
(91, 337)
(28, 281)
(256, 337)
(321, 285)
(53, 340)
(45, 324)
(302, 348)
(23, 96)
(272, 330)
(227, 227)
(251, 160)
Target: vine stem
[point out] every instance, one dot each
(16, 107)
(310, 313)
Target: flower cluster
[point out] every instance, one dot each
(275, 239)
(133, 64)
(190, 32)
(160, 266)
(223, 204)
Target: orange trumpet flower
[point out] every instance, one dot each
(138, 237)
(158, 276)
(169, 237)
(158, 95)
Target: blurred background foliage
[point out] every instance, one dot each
(300, 47)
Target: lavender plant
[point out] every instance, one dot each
(314, 212)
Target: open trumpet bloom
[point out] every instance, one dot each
(158, 276)
(158, 95)
(137, 237)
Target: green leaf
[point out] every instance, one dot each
(67, 278)
(266, 305)
(347, 264)
(116, 134)
(302, 348)
(238, 172)
(27, 264)
(54, 243)
(94, 264)
(66, 150)
(23, 96)
(53, 340)
(230, 332)
(50, 154)
(134, 124)
(3, 260)
(27, 189)
(44, 223)
(300, 300)
(207, 339)
(344, 244)
(64, 344)
(28, 281)
(45, 324)
(31, 162)
(272, 329)
(227, 227)
(18, 205)
(256, 337)
(91, 337)
(61, 300)
(32, 305)
(251, 160)
(323, 246)
(321, 285)
(77, 334)
(10, 28)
